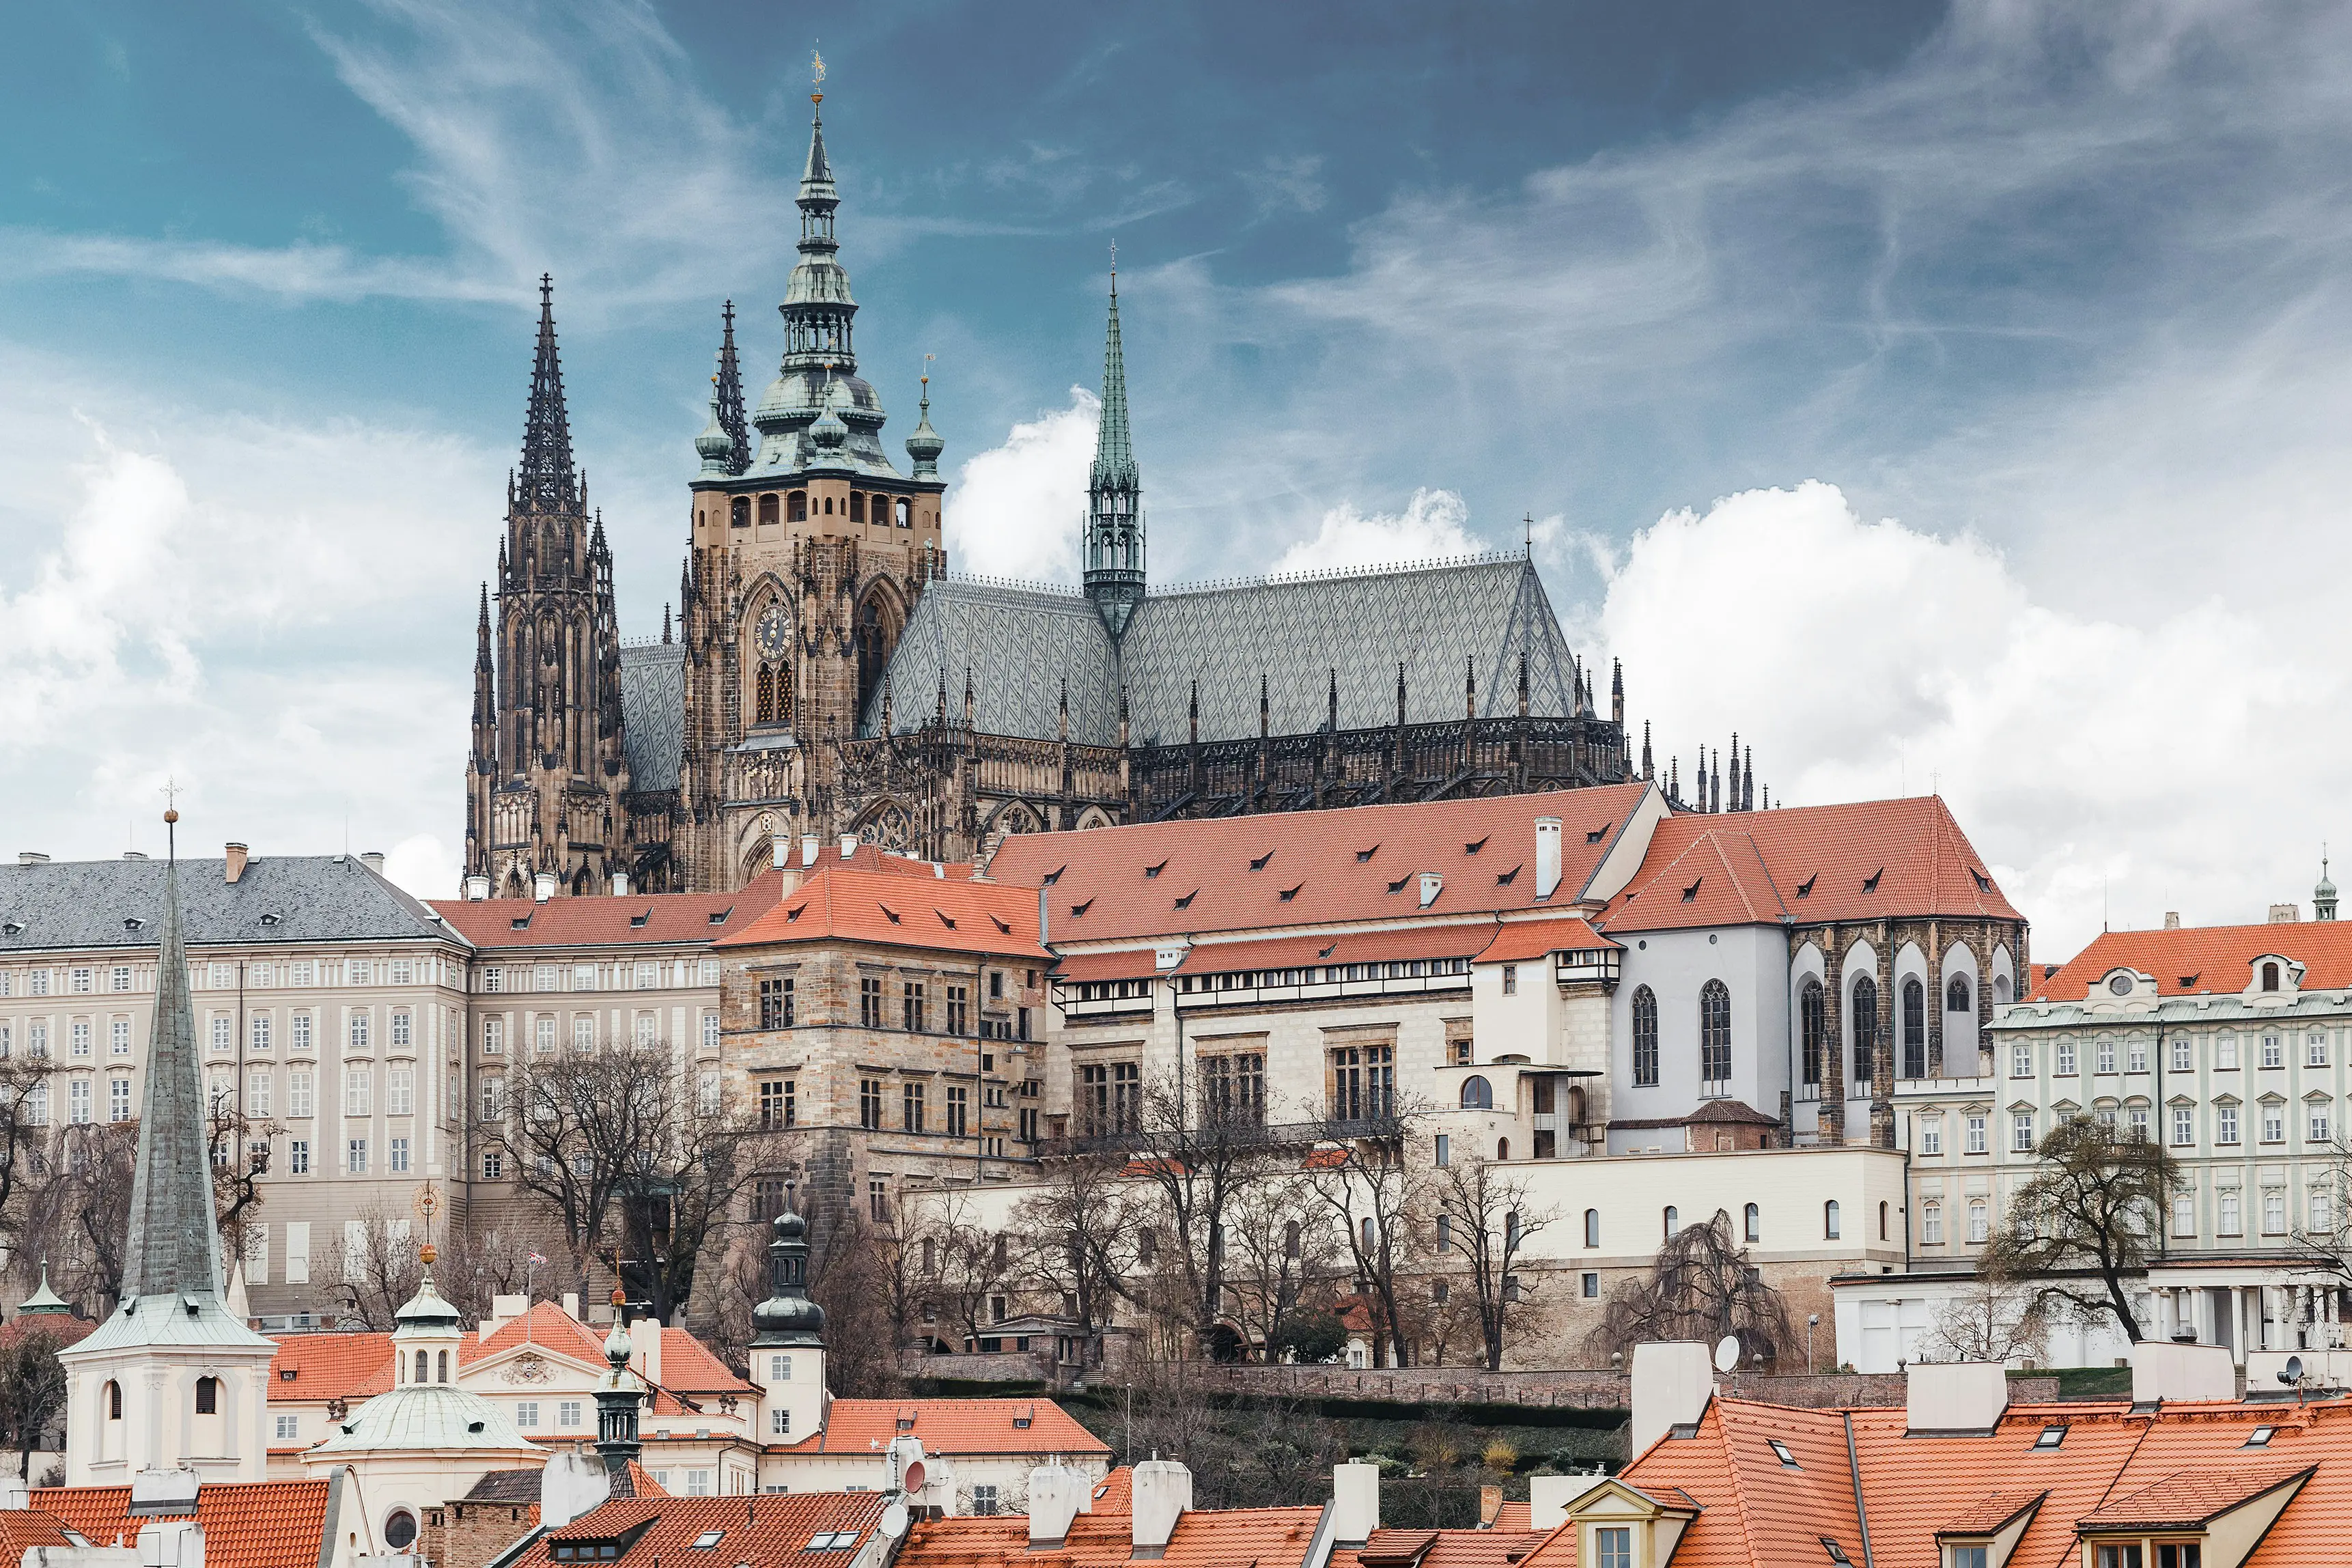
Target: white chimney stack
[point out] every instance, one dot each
(779, 850)
(619, 884)
(543, 887)
(1355, 1502)
(808, 848)
(2172, 1371)
(1673, 1381)
(233, 861)
(1162, 1490)
(1954, 1396)
(1432, 884)
(1546, 856)
(373, 860)
(477, 888)
(849, 845)
(1057, 1494)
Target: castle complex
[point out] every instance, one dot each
(827, 675)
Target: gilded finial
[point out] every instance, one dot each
(816, 77)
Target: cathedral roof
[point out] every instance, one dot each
(1439, 621)
(652, 712)
(277, 900)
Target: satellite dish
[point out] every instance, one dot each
(893, 1520)
(912, 1481)
(2292, 1372)
(1727, 1352)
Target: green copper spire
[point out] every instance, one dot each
(173, 1247)
(1114, 552)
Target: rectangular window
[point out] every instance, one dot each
(494, 1167)
(957, 1099)
(117, 1037)
(958, 1011)
(775, 1002)
(584, 1032)
(567, 1412)
(1363, 1082)
(705, 1094)
(260, 1032)
(2323, 1213)
(645, 976)
(494, 1037)
(983, 1499)
(780, 1423)
(400, 1091)
(1510, 980)
(2020, 1061)
(2321, 1124)
(2183, 1053)
(77, 1101)
(1233, 1089)
(494, 1098)
(118, 1099)
(644, 1029)
(301, 1032)
(584, 977)
(2274, 1123)
(402, 972)
(118, 979)
(912, 1007)
(38, 1102)
(36, 1037)
(911, 1105)
(399, 1156)
(355, 1156)
(358, 1082)
(40, 983)
(776, 1103)
(2230, 1224)
(78, 1033)
(2020, 1132)
(2274, 1051)
(2066, 1059)
(287, 1426)
(1613, 1546)
(2225, 1052)
(869, 1103)
(869, 1002)
(403, 1026)
(257, 1092)
(1443, 1153)
(1975, 1135)
(2105, 1050)
(298, 1093)
(878, 1199)
(1931, 1135)
(81, 979)
(527, 1414)
(2136, 1056)
(2315, 1051)
(710, 1031)
(358, 1032)
(2226, 1125)
(543, 1036)
(2137, 1118)
(2184, 1126)
(298, 1161)
(698, 1483)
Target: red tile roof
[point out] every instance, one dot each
(1864, 861)
(330, 1367)
(2188, 1498)
(1456, 941)
(1226, 1538)
(61, 1328)
(546, 1326)
(1519, 941)
(1500, 1547)
(929, 914)
(21, 1528)
(2220, 959)
(688, 1366)
(1231, 871)
(952, 1427)
(770, 1529)
(601, 921)
(246, 1524)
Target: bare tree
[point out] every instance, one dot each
(240, 1148)
(1368, 1186)
(23, 1137)
(32, 1389)
(382, 1267)
(2095, 1203)
(79, 1213)
(1074, 1238)
(1700, 1286)
(1284, 1257)
(973, 1264)
(848, 1263)
(476, 1267)
(1988, 1321)
(1490, 1221)
(679, 1190)
(1196, 1160)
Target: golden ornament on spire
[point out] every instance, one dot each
(816, 77)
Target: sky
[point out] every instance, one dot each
(1943, 397)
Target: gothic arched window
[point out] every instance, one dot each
(1714, 1037)
(877, 635)
(1865, 1031)
(1914, 1028)
(208, 1396)
(1645, 1035)
(1956, 996)
(763, 709)
(1809, 1032)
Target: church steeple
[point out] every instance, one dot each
(547, 480)
(1114, 548)
(173, 1247)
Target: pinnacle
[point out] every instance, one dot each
(1114, 453)
(547, 478)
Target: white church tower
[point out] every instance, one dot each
(172, 1379)
(788, 1342)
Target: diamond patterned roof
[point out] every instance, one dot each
(652, 712)
(1438, 621)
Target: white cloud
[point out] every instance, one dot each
(1019, 510)
(1290, 182)
(2087, 755)
(1434, 524)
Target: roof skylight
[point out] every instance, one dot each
(709, 1538)
(2052, 1436)
(1780, 1452)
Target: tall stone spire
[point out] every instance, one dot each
(1114, 549)
(729, 409)
(173, 1247)
(547, 480)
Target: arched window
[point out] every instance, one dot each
(1829, 1220)
(1865, 1033)
(797, 507)
(856, 507)
(208, 1396)
(2270, 977)
(1511, 1229)
(1715, 1038)
(1881, 1222)
(1591, 1237)
(1670, 1222)
(400, 1529)
(1364, 1229)
(905, 514)
(420, 1368)
(1956, 996)
(1445, 1233)
(1645, 1035)
(764, 705)
(2000, 990)
(1914, 1028)
(1809, 1032)
(1502, 1148)
(739, 513)
(1478, 1094)
(1754, 1223)
(114, 1402)
(441, 1366)
(876, 634)
(768, 507)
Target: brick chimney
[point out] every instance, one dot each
(233, 862)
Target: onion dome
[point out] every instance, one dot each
(788, 1317)
(827, 432)
(715, 446)
(925, 446)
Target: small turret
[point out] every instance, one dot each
(924, 446)
(619, 1394)
(2323, 897)
(788, 1340)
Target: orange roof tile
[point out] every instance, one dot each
(688, 1366)
(1360, 863)
(21, 1528)
(1498, 1547)
(952, 1427)
(63, 1330)
(546, 1326)
(246, 1524)
(605, 922)
(1514, 1517)
(1404, 942)
(768, 1529)
(878, 907)
(1862, 860)
(2187, 1499)
(330, 1367)
(1265, 1537)
(2220, 959)
(1519, 941)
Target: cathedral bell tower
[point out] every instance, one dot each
(545, 783)
(1114, 549)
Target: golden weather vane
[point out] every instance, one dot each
(816, 76)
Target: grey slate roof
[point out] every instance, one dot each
(652, 712)
(71, 904)
(1436, 620)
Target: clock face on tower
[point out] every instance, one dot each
(773, 636)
